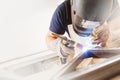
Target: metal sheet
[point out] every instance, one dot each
(68, 71)
(105, 52)
(102, 71)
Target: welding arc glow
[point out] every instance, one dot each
(87, 45)
(85, 49)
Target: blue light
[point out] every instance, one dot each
(88, 53)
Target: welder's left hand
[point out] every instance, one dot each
(100, 35)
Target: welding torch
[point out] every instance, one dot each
(71, 42)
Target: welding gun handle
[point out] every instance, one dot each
(78, 45)
(68, 41)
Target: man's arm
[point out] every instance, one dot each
(52, 40)
(108, 34)
(62, 47)
(114, 40)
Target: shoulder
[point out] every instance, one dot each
(61, 7)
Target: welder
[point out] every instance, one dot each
(89, 18)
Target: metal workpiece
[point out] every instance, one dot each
(99, 71)
(67, 68)
(105, 52)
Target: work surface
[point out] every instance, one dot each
(45, 75)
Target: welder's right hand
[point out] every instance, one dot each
(64, 49)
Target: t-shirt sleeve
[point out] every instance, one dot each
(58, 22)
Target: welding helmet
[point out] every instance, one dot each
(88, 14)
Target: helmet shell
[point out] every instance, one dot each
(92, 10)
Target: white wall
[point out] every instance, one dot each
(119, 2)
(23, 26)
